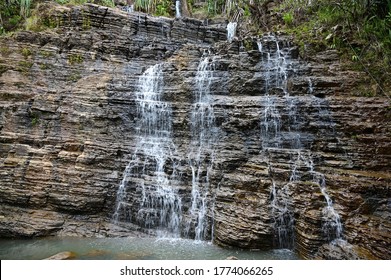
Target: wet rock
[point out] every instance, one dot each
(337, 250)
(68, 120)
(62, 256)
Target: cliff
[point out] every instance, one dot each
(288, 135)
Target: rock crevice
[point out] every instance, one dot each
(68, 124)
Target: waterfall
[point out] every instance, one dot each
(332, 226)
(281, 134)
(260, 46)
(276, 77)
(282, 215)
(270, 122)
(275, 67)
(178, 9)
(231, 30)
(152, 169)
(310, 86)
(128, 9)
(301, 164)
(201, 154)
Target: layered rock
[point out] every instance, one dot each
(68, 118)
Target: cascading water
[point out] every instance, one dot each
(282, 215)
(178, 9)
(280, 134)
(260, 46)
(147, 194)
(231, 31)
(276, 75)
(332, 226)
(151, 171)
(276, 67)
(271, 119)
(128, 9)
(281, 66)
(201, 155)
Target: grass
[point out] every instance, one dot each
(361, 36)
(26, 52)
(24, 66)
(34, 121)
(5, 51)
(3, 68)
(74, 77)
(44, 66)
(46, 54)
(75, 59)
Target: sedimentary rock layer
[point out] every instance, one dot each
(67, 132)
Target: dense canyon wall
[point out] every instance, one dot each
(288, 134)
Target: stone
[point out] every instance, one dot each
(62, 256)
(68, 120)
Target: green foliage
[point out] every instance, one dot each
(15, 20)
(3, 68)
(74, 77)
(86, 22)
(26, 52)
(49, 21)
(247, 12)
(72, 2)
(163, 8)
(108, 3)
(75, 59)
(25, 8)
(5, 51)
(39, 22)
(34, 116)
(360, 30)
(24, 66)
(329, 15)
(248, 45)
(44, 66)
(62, 2)
(144, 5)
(219, 6)
(46, 54)
(11, 7)
(288, 18)
(13, 13)
(34, 121)
(32, 24)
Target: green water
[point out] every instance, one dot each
(130, 248)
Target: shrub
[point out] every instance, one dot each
(288, 18)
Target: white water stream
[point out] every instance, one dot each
(201, 155)
(151, 170)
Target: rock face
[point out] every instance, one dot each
(296, 151)
(62, 256)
